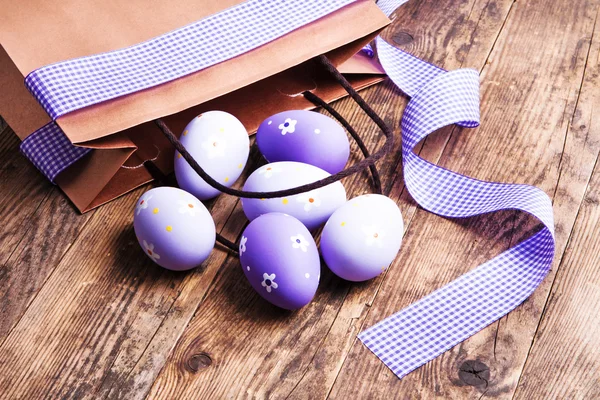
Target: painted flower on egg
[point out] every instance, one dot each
(299, 242)
(288, 126)
(269, 170)
(142, 204)
(310, 199)
(214, 147)
(374, 236)
(243, 241)
(149, 248)
(187, 207)
(269, 282)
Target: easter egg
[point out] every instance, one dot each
(362, 238)
(220, 145)
(280, 259)
(173, 228)
(311, 208)
(304, 136)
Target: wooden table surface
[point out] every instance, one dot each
(83, 314)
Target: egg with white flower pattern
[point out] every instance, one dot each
(280, 260)
(362, 238)
(174, 229)
(304, 136)
(311, 208)
(220, 145)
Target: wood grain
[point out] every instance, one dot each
(113, 314)
(309, 369)
(32, 211)
(519, 141)
(84, 315)
(564, 358)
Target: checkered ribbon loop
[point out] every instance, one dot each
(51, 151)
(71, 85)
(448, 316)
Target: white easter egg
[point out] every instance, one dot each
(174, 229)
(219, 143)
(312, 208)
(362, 238)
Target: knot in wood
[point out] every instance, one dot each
(402, 38)
(474, 373)
(198, 361)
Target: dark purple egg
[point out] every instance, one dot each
(280, 259)
(306, 137)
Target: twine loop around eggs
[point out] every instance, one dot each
(368, 162)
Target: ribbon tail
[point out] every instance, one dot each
(453, 313)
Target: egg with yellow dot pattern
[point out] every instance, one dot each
(173, 228)
(312, 208)
(362, 238)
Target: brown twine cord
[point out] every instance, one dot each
(369, 161)
(162, 180)
(227, 243)
(316, 100)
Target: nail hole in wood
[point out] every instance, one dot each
(474, 373)
(402, 38)
(199, 361)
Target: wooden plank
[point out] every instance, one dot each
(135, 370)
(565, 358)
(301, 352)
(47, 236)
(530, 90)
(22, 190)
(564, 361)
(32, 211)
(456, 34)
(105, 311)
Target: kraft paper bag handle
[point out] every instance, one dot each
(368, 162)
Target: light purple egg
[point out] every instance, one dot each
(312, 208)
(304, 136)
(281, 261)
(219, 143)
(174, 229)
(362, 238)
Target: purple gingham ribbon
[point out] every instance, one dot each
(448, 316)
(71, 85)
(51, 151)
(425, 329)
(74, 84)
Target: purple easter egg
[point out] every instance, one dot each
(173, 228)
(306, 137)
(280, 259)
(362, 238)
(219, 143)
(312, 208)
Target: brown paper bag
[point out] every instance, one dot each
(40, 32)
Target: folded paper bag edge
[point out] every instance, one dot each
(136, 108)
(134, 179)
(68, 188)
